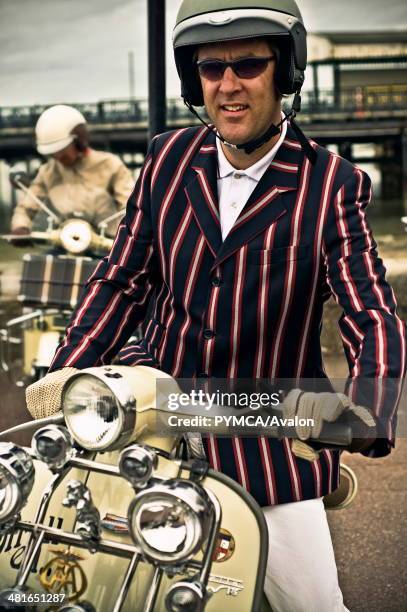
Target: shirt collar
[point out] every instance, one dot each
(256, 170)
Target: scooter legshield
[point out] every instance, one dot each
(238, 563)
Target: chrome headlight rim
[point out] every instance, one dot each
(143, 455)
(125, 403)
(22, 592)
(80, 606)
(58, 433)
(181, 493)
(190, 587)
(19, 471)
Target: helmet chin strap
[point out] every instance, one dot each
(273, 130)
(247, 147)
(256, 143)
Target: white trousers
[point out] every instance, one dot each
(301, 573)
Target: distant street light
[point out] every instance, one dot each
(132, 89)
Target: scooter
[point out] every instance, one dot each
(103, 513)
(49, 289)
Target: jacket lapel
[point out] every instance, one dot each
(264, 207)
(202, 193)
(267, 202)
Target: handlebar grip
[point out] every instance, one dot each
(334, 436)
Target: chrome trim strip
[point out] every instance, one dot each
(94, 466)
(41, 512)
(216, 521)
(59, 536)
(55, 419)
(30, 562)
(49, 259)
(153, 592)
(126, 582)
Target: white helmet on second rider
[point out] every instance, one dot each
(54, 129)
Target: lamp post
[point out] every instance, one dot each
(156, 67)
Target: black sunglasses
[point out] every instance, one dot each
(244, 68)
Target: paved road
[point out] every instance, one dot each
(370, 537)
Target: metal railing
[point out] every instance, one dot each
(368, 99)
(359, 101)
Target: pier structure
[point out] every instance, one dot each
(355, 94)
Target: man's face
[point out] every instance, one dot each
(241, 109)
(67, 156)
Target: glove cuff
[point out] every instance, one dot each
(44, 396)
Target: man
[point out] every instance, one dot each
(76, 178)
(240, 232)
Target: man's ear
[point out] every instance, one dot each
(81, 137)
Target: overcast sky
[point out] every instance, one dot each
(77, 50)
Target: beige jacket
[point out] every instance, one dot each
(96, 186)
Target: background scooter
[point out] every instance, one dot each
(50, 286)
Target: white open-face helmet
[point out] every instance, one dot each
(55, 126)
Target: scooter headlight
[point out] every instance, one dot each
(170, 521)
(76, 236)
(83, 606)
(16, 599)
(16, 480)
(137, 463)
(99, 411)
(186, 596)
(53, 445)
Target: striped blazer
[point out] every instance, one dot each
(248, 307)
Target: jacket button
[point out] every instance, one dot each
(216, 282)
(208, 334)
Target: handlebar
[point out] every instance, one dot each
(55, 419)
(16, 180)
(335, 435)
(31, 236)
(69, 237)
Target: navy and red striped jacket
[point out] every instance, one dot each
(248, 307)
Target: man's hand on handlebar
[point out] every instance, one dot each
(315, 409)
(19, 177)
(21, 237)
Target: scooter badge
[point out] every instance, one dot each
(225, 546)
(63, 574)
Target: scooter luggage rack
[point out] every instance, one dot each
(54, 280)
(7, 340)
(41, 534)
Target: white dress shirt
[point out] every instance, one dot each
(236, 186)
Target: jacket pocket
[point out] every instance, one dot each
(278, 255)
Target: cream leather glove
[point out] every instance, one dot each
(44, 396)
(321, 407)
